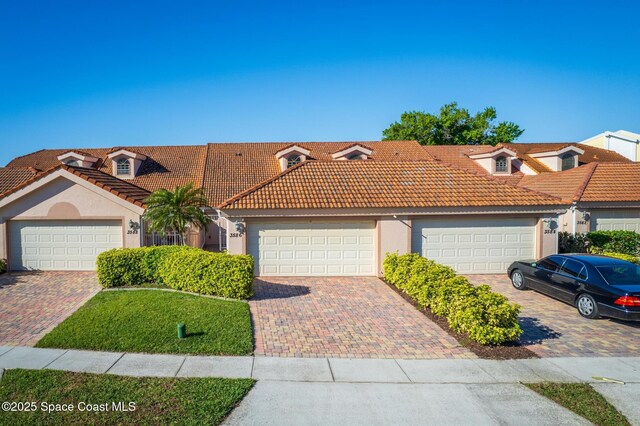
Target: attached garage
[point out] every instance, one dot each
(61, 245)
(312, 247)
(482, 245)
(615, 220)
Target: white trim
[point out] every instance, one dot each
(77, 156)
(355, 148)
(128, 154)
(493, 154)
(75, 179)
(291, 149)
(557, 152)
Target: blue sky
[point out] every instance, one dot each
(87, 73)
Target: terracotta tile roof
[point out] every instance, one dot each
(235, 167)
(165, 166)
(458, 155)
(594, 182)
(11, 177)
(123, 189)
(382, 184)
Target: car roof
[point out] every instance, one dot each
(594, 259)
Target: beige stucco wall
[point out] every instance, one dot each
(547, 229)
(394, 236)
(62, 199)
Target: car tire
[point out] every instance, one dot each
(517, 280)
(587, 306)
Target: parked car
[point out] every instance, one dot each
(595, 285)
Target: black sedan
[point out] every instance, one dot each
(596, 285)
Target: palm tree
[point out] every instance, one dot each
(177, 210)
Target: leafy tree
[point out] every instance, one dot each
(453, 126)
(177, 210)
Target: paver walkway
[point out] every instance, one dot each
(343, 317)
(555, 329)
(32, 303)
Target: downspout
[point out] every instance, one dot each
(574, 218)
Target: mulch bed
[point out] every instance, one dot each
(506, 351)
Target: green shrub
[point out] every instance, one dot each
(626, 242)
(488, 318)
(133, 266)
(450, 290)
(203, 272)
(3, 266)
(572, 243)
(622, 256)
(485, 316)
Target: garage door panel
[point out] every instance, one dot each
(474, 245)
(615, 220)
(312, 247)
(61, 245)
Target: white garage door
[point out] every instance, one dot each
(474, 246)
(61, 245)
(615, 220)
(311, 247)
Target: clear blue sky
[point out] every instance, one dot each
(89, 73)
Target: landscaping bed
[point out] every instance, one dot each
(509, 350)
(185, 401)
(480, 319)
(146, 321)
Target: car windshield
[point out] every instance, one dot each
(620, 274)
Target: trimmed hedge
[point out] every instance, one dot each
(622, 256)
(625, 242)
(210, 273)
(179, 267)
(133, 266)
(485, 316)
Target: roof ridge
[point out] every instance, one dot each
(580, 191)
(263, 183)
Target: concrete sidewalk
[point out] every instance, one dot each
(370, 391)
(339, 370)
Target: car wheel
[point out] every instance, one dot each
(517, 279)
(587, 307)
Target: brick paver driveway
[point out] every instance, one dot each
(31, 304)
(554, 329)
(343, 317)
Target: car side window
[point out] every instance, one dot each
(574, 269)
(551, 263)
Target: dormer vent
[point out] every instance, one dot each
(125, 164)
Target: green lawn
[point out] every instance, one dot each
(157, 400)
(583, 400)
(146, 321)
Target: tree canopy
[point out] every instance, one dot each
(453, 126)
(177, 210)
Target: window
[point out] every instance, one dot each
(292, 160)
(574, 269)
(568, 161)
(620, 274)
(551, 263)
(354, 156)
(72, 163)
(501, 165)
(123, 167)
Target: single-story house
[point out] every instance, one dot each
(603, 196)
(312, 208)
